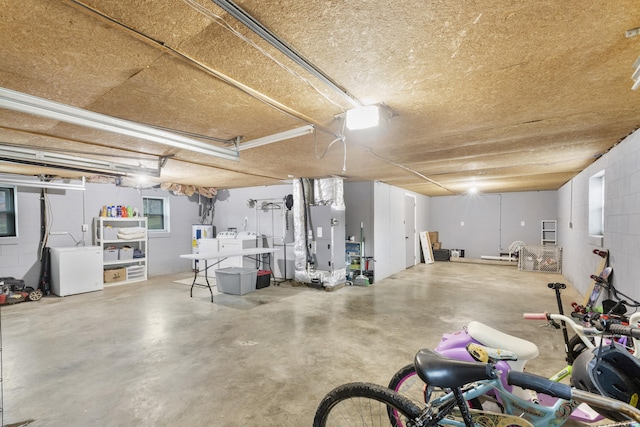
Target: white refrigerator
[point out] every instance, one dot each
(75, 270)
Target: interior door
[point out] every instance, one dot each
(410, 230)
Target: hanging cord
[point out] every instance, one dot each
(342, 138)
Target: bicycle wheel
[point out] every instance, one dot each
(364, 404)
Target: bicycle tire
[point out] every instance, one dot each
(577, 346)
(352, 404)
(407, 383)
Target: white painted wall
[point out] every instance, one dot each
(622, 219)
(381, 208)
(69, 209)
(487, 224)
(358, 201)
(231, 211)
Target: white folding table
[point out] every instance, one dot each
(251, 253)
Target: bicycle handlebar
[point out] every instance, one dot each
(535, 316)
(566, 392)
(623, 330)
(599, 329)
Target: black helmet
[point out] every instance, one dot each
(609, 371)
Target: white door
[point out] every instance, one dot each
(410, 230)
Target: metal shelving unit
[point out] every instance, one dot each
(549, 232)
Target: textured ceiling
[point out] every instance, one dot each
(507, 95)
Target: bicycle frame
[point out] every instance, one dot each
(454, 346)
(538, 415)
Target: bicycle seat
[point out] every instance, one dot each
(439, 371)
(488, 336)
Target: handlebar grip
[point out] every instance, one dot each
(535, 316)
(539, 384)
(624, 330)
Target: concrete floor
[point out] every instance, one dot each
(148, 355)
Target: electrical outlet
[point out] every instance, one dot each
(85, 228)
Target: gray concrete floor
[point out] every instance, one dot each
(148, 355)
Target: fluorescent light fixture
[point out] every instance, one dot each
(29, 104)
(42, 184)
(276, 137)
(83, 164)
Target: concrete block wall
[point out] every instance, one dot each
(621, 166)
(68, 210)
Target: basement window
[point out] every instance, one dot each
(8, 212)
(596, 208)
(156, 209)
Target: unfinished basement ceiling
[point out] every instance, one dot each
(509, 96)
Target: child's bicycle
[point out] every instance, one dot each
(451, 384)
(497, 398)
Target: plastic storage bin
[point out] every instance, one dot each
(236, 280)
(135, 272)
(110, 254)
(264, 279)
(125, 253)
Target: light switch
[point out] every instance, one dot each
(521, 223)
(461, 223)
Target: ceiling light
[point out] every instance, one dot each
(473, 190)
(363, 117)
(42, 184)
(29, 104)
(276, 137)
(367, 116)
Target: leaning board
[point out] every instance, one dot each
(427, 251)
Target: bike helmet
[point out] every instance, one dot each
(609, 371)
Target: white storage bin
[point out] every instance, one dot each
(125, 253)
(135, 272)
(236, 280)
(110, 254)
(110, 233)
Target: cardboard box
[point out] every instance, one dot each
(433, 237)
(113, 275)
